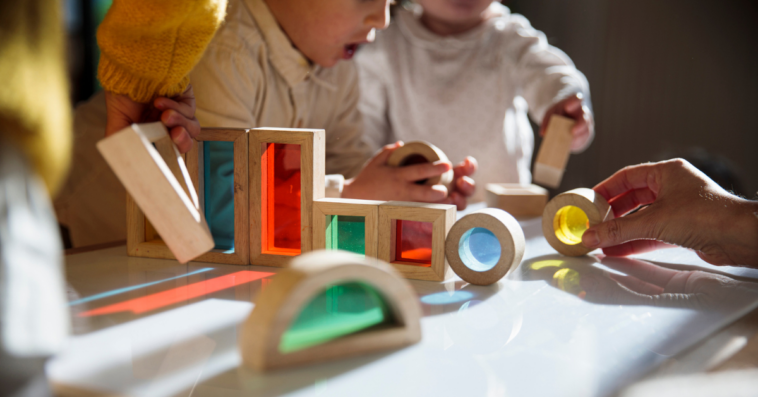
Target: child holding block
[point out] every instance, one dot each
(464, 75)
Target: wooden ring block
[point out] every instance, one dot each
(508, 233)
(517, 199)
(595, 208)
(425, 149)
(291, 290)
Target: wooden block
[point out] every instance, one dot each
(368, 209)
(195, 166)
(272, 159)
(483, 257)
(568, 215)
(518, 200)
(157, 180)
(279, 304)
(419, 152)
(554, 152)
(415, 263)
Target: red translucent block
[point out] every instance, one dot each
(280, 184)
(413, 242)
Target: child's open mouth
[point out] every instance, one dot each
(349, 51)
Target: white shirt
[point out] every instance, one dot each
(467, 94)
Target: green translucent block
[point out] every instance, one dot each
(347, 233)
(339, 310)
(218, 181)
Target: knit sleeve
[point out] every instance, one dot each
(148, 47)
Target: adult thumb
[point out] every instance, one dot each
(618, 231)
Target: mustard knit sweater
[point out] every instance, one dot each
(148, 47)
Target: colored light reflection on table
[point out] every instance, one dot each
(479, 249)
(280, 193)
(180, 294)
(568, 280)
(218, 182)
(347, 233)
(414, 242)
(569, 224)
(339, 310)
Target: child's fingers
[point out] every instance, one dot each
(185, 109)
(172, 118)
(466, 167)
(418, 172)
(181, 138)
(464, 186)
(458, 199)
(383, 155)
(426, 193)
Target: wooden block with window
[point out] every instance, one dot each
(346, 224)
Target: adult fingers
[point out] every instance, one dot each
(631, 200)
(464, 185)
(630, 178)
(181, 138)
(426, 193)
(635, 247)
(621, 230)
(418, 172)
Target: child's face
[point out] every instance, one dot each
(326, 31)
(454, 11)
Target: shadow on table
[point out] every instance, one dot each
(451, 295)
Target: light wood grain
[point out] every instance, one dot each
(369, 209)
(279, 304)
(554, 152)
(593, 205)
(518, 200)
(507, 231)
(430, 152)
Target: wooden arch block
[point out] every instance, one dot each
(568, 215)
(484, 246)
(554, 152)
(327, 226)
(412, 238)
(420, 151)
(286, 176)
(265, 344)
(158, 183)
(238, 138)
(516, 199)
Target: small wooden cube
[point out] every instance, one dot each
(286, 176)
(412, 238)
(569, 214)
(346, 224)
(418, 152)
(518, 200)
(554, 152)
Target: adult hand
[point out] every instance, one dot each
(176, 113)
(573, 108)
(378, 181)
(463, 186)
(686, 208)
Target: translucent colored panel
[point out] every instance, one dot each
(339, 310)
(413, 242)
(569, 224)
(218, 181)
(346, 233)
(479, 249)
(280, 193)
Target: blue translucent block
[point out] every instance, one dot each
(479, 249)
(218, 180)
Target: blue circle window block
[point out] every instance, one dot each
(479, 249)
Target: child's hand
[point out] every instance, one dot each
(572, 108)
(378, 181)
(177, 114)
(462, 186)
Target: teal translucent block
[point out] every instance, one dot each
(218, 181)
(479, 249)
(347, 233)
(339, 310)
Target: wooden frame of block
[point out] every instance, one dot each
(369, 209)
(277, 307)
(594, 206)
(516, 199)
(312, 156)
(442, 217)
(554, 152)
(240, 137)
(508, 233)
(425, 149)
(158, 184)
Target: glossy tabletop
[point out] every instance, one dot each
(555, 326)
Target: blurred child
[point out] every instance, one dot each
(463, 74)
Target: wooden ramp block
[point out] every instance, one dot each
(412, 238)
(328, 305)
(420, 152)
(346, 224)
(568, 215)
(158, 183)
(554, 152)
(484, 246)
(518, 200)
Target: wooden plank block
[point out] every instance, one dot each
(518, 200)
(441, 216)
(369, 209)
(554, 152)
(568, 215)
(278, 306)
(157, 190)
(419, 151)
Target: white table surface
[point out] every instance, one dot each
(524, 336)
